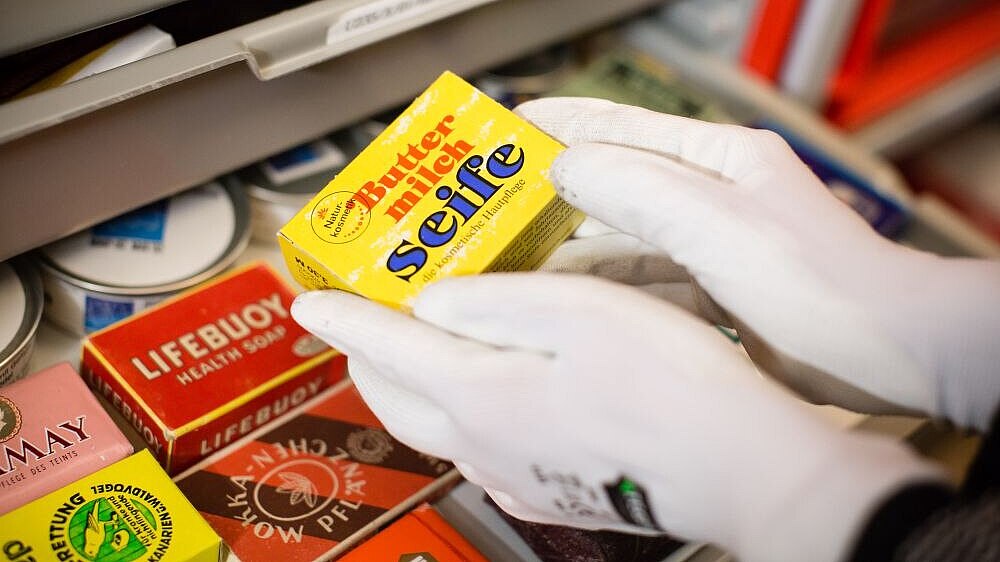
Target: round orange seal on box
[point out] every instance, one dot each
(339, 218)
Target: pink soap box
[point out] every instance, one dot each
(52, 433)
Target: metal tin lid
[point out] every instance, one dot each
(21, 306)
(13, 303)
(294, 176)
(296, 193)
(164, 247)
(529, 77)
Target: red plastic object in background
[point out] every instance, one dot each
(419, 536)
(919, 65)
(861, 49)
(769, 37)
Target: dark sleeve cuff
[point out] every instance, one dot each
(984, 473)
(897, 518)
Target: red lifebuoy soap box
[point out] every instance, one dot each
(200, 370)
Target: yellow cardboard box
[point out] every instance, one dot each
(456, 185)
(124, 512)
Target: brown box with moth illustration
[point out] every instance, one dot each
(313, 484)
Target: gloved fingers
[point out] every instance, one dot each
(517, 509)
(679, 294)
(691, 217)
(557, 314)
(469, 473)
(525, 511)
(616, 257)
(538, 312)
(521, 510)
(625, 259)
(464, 378)
(706, 307)
(408, 352)
(812, 384)
(409, 417)
(593, 227)
(728, 150)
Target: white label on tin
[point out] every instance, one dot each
(190, 235)
(13, 304)
(372, 16)
(82, 312)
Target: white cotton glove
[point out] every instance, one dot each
(544, 389)
(625, 259)
(821, 301)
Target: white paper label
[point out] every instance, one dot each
(377, 15)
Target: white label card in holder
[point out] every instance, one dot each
(379, 14)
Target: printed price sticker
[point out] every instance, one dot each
(373, 16)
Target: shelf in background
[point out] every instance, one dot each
(77, 172)
(271, 47)
(26, 24)
(945, 108)
(939, 228)
(752, 100)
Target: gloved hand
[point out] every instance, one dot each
(600, 251)
(562, 394)
(822, 302)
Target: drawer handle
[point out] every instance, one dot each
(319, 31)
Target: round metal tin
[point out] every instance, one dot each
(270, 208)
(274, 202)
(21, 305)
(117, 268)
(529, 77)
